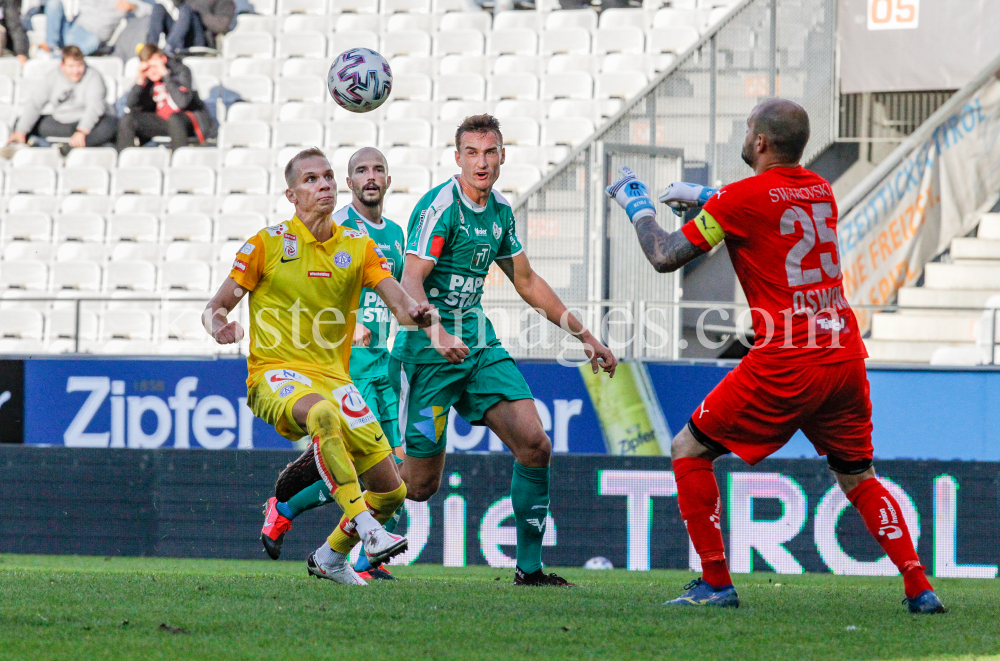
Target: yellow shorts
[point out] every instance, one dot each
(272, 396)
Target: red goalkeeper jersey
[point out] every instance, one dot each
(781, 231)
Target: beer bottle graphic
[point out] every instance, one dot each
(630, 414)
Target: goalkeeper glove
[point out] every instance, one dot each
(681, 196)
(631, 195)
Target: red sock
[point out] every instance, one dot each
(884, 520)
(698, 498)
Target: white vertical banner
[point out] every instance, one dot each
(932, 196)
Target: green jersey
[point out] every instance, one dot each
(462, 239)
(372, 361)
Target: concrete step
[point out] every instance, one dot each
(961, 276)
(945, 298)
(895, 351)
(989, 226)
(968, 248)
(924, 327)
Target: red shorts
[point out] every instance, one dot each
(757, 408)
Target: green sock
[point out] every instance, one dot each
(314, 495)
(390, 525)
(529, 494)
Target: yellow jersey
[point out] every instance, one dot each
(304, 296)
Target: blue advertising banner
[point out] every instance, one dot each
(918, 414)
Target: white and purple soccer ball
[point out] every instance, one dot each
(360, 80)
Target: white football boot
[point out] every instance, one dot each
(381, 545)
(343, 573)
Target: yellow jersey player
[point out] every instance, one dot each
(305, 278)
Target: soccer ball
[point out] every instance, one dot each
(598, 563)
(360, 80)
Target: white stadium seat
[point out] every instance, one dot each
(410, 179)
(406, 132)
(251, 133)
(138, 227)
(42, 251)
(517, 64)
(62, 325)
(80, 276)
(311, 89)
(102, 157)
(568, 85)
(187, 227)
(412, 87)
(79, 227)
(565, 40)
(459, 42)
(465, 21)
(295, 110)
(460, 87)
(512, 108)
(517, 20)
(456, 111)
(518, 178)
(33, 179)
(249, 66)
(157, 157)
(249, 156)
(187, 275)
(25, 226)
(251, 88)
(138, 252)
(300, 66)
(143, 179)
(49, 157)
(193, 179)
(513, 86)
(243, 179)
(412, 110)
(399, 206)
(239, 202)
(671, 39)
(76, 251)
(479, 64)
(406, 42)
(126, 325)
(298, 133)
(513, 41)
(619, 40)
(520, 131)
(286, 7)
(355, 22)
(192, 203)
(572, 18)
(186, 156)
(341, 41)
(207, 66)
(407, 21)
(26, 202)
(24, 274)
(672, 18)
(302, 44)
(248, 44)
(253, 23)
(620, 18)
(620, 84)
(130, 275)
(187, 251)
(352, 132)
(569, 131)
(238, 226)
(138, 203)
(416, 6)
(246, 112)
(406, 64)
(22, 324)
(86, 204)
(308, 23)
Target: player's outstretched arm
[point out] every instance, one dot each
(214, 317)
(666, 251)
(537, 293)
(416, 270)
(406, 310)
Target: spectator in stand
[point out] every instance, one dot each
(198, 22)
(17, 37)
(75, 94)
(90, 29)
(163, 102)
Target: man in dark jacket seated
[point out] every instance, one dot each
(198, 22)
(163, 102)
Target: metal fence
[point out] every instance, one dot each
(688, 124)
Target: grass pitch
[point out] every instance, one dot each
(60, 607)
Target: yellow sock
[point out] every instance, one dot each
(332, 459)
(382, 507)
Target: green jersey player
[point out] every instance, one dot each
(300, 488)
(456, 232)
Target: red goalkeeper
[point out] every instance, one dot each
(806, 369)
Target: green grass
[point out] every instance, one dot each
(85, 608)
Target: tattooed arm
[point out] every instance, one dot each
(666, 251)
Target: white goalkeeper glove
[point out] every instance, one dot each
(631, 195)
(681, 196)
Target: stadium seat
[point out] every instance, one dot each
(286, 7)
(351, 132)
(186, 251)
(671, 39)
(572, 18)
(563, 63)
(143, 180)
(80, 276)
(619, 40)
(420, 64)
(239, 202)
(130, 275)
(441, 7)
(137, 252)
(565, 40)
(100, 204)
(6, 89)
(183, 322)
(253, 23)
(460, 87)
(23, 274)
(410, 156)
(249, 156)
(512, 108)
(342, 41)
(311, 89)
(243, 179)
(619, 18)
(157, 157)
(33, 179)
(478, 64)
(513, 86)
(139, 204)
(298, 133)
(459, 42)
(479, 21)
(238, 226)
(251, 88)
(399, 206)
(673, 18)
(102, 157)
(61, 329)
(410, 179)
(444, 172)
(518, 64)
(226, 253)
(192, 203)
(414, 6)
(249, 66)
(25, 226)
(42, 251)
(22, 325)
(77, 251)
(620, 84)
(283, 209)
(126, 325)
(210, 66)
(295, 110)
(308, 23)
(406, 42)
(138, 227)
(302, 44)
(248, 44)
(45, 156)
(570, 131)
(300, 66)
(518, 178)
(192, 179)
(513, 41)
(246, 112)
(187, 227)
(79, 227)
(412, 110)
(355, 22)
(521, 131)
(250, 133)
(406, 132)
(412, 87)
(420, 22)
(188, 156)
(510, 20)
(456, 111)
(186, 275)
(568, 85)
(622, 62)
(26, 202)
(277, 181)
(575, 108)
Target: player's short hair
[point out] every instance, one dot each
(148, 51)
(291, 170)
(786, 125)
(72, 53)
(481, 124)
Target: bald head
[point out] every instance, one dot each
(784, 126)
(368, 178)
(366, 154)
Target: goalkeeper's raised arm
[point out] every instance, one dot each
(666, 251)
